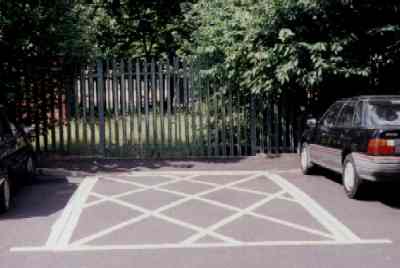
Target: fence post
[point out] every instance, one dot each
(253, 134)
(100, 84)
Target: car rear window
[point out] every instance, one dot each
(383, 113)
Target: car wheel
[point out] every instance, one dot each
(352, 183)
(306, 164)
(5, 194)
(30, 169)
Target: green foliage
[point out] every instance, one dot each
(39, 40)
(136, 27)
(34, 34)
(259, 46)
(271, 46)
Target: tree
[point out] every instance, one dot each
(315, 46)
(38, 42)
(137, 27)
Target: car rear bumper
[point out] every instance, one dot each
(377, 168)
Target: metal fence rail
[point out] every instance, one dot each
(156, 109)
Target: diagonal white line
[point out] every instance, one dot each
(62, 230)
(144, 186)
(231, 185)
(147, 214)
(142, 189)
(222, 205)
(168, 206)
(102, 200)
(196, 228)
(217, 188)
(292, 225)
(174, 177)
(240, 189)
(231, 218)
(268, 218)
(338, 229)
(340, 233)
(148, 174)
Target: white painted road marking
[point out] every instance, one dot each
(203, 245)
(341, 232)
(158, 214)
(232, 218)
(62, 230)
(59, 239)
(233, 208)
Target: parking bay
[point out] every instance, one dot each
(183, 210)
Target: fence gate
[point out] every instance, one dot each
(156, 109)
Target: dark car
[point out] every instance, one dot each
(17, 159)
(358, 137)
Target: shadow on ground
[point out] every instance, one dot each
(386, 193)
(93, 165)
(45, 197)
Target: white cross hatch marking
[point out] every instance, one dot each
(187, 197)
(59, 238)
(231, 218)
(157, 212)
(241, 189)
(142, 188)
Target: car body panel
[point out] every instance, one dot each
(330, 144)
(15, 148)
(375, 168)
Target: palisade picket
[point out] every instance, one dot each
(149, 108)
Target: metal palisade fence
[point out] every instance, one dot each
(140, 108)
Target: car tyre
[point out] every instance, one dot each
(352, 183)
(5, 194)
(307, 166)
(30, 169)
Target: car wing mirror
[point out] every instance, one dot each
(312, 123)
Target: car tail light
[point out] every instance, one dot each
(381, 147)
